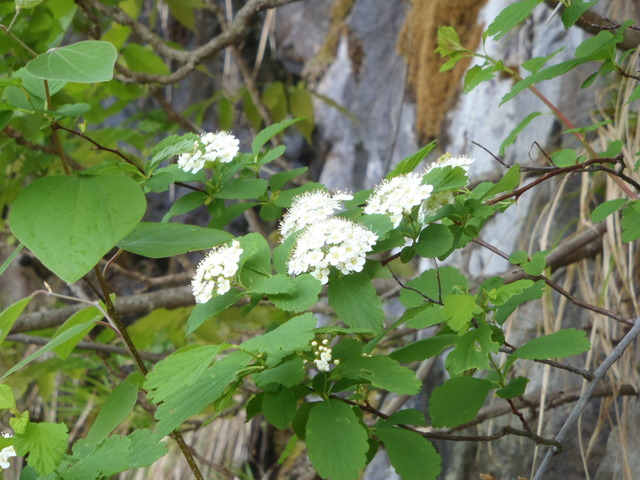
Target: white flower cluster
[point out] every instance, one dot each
(333, 242)
(440, 199)
(398, 196)
(309, 208)
(323, 355)
(221, 146)
(6, 453)
(215, 271)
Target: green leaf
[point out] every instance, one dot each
(185, 204)
(279, 407)
(45, 443)
(61, 217)
(410, 163)
(423, 349)
(458, 310)
(23, 4)
(476, 75)
(356, 302)
(537, 264)
(221, 218)
(534, 64)
(434, 284)
(519, 257)
(561, 344)
(204, 311)
(59, 340)
(336, 440)
(427, 315)
(35, 85)
(9, 316)
(143, 59)
(183, 11)
(279, 180)
(457, 401)
(383, 372)
(114, 411)
(564, 158)
(599, 47)
(631, 222)
(301, 105)
(605, 209)
(255, 261)
(588, 128)
(533, 292)
(307, 289)
(406, 416)
(516, 387)
(289, 373)
(412, 456)
(87, 316)
(84, 62)
(504, 293)
(635, 95)
(159, 240)
(574, 11)
(182, 368)
(146, 448)
(242, 189)
(72, 110)
(511, 138)
(472, 351)
(97, 461)
(295, 334)
(511, 16)
(268, 133)
(277, 284)
(546, 74)
(435, 240)
(7, 401)
(163, 177)
(170, 146)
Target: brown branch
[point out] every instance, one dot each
(98, 347)
(552, 363)
(189, 58)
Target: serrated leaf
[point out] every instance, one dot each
(268, 133)
(434, 284)
(406, 416)
(605, 209)
(114, 410)
(279, 407)
(383, 372)
(277, 284)
(458, 310)
(476, 75)
(45, 443)
(537, 264)
(472, 351)
(427, 315)
(412, 456)
(336, 440)
(356, 302)
(534, 64)
(7, 401)
(561, 344)
(574, 11)
(535, 291)
(84, 62)
(295, 334)
(104, 459)
(457, 401)
(305, 294)
(61, 217)
(9, 316)
(146, 448)
(504, 293)
(159, 240)
(423, 349)
(410, 163)
(511, 16)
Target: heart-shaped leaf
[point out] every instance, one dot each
(84, 62)
(69, 223)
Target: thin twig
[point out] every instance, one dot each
(578, 371)
(599, 374)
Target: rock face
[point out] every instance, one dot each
(369, 79)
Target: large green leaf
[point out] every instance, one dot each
(84, 62)
(354, 299)
(115, 409)
(295, 334)
(69, 223)
(158, 240)
(279, 407)
(457, 401)
(336, 440)
(560, 344)
(304, 295)
(45, 443)
(382, 372)
(412, 456)
(510, 17)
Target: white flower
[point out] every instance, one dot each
(322, 365)
(215, 271)
(449, 160)
(398, 196)
(6, 453)
(323, 355)
(316, 248)
(221, 146)
(309, 208)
